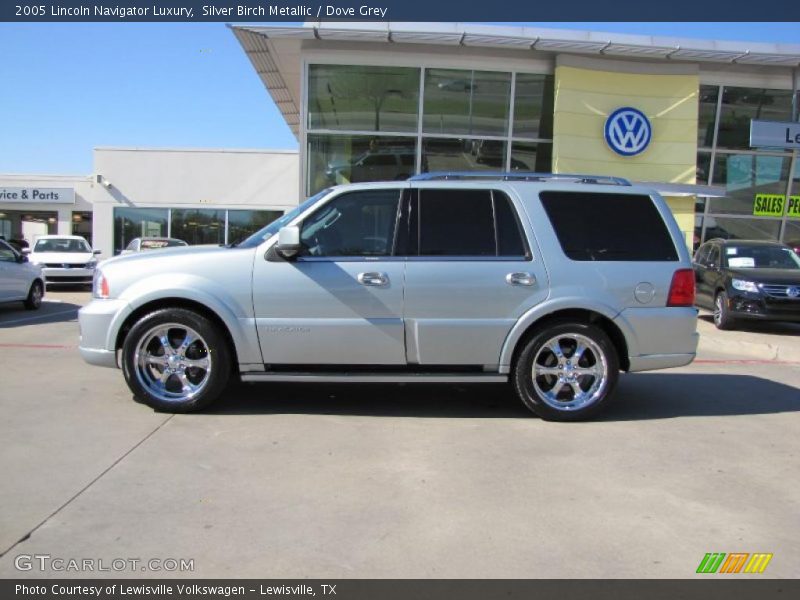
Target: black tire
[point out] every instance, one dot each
(212, 345)
(35, 295)
(561, 407)
(722, 313)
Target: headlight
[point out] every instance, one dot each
(91, 264)
(744, 285)
(100, 287)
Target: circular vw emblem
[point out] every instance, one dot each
(627, 131)
(793, 292)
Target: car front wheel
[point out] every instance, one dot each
(566, 371)
(35, 295)
(176, 360)
(722, 314)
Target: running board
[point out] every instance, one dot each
(360, 377)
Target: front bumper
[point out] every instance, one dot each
(99, 322)
(72, 275)
(765, 308)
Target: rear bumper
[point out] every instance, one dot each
(653, 362)
(659, 338)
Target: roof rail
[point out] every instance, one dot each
(519, 176)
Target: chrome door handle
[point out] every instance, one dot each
(373, 279)
(525, 279)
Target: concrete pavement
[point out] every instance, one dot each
(393, 481)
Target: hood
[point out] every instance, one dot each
(72, 258)
(780, 276)
(160, 255)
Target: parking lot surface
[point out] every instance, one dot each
(398, 480)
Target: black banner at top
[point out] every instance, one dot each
(397, 10)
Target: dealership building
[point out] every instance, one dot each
(200, 196)
(377, 101)
(385, 100)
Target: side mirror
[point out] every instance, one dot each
(26, 251)
(21, 258)
(288, 242)
(96, 252)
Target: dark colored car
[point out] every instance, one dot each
(740, 279)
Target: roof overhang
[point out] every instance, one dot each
(275, 51)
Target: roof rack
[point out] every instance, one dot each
(519, 176)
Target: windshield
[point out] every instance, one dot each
(61, 245)
(263, 234)
(761, 257)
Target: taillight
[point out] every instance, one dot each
(681, 290)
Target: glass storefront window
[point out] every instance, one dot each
(532, 156)
(791, 234)
(23, 227)
(745, 176)
(709, 95)
(82, 225)
(732, 228)
(703, 167)
(462, 154)
(352, 97)
(336, 159)
(130, 223)
(740, 105)
(198, 226)
(243, 223)
(468, 102)
(533, 106)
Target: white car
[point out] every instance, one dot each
(20, 281)
(65, 259)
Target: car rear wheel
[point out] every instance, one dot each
(35, 295)
(722, 313)
(566, 371)
(176, 360)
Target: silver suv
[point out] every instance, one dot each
(554, 283)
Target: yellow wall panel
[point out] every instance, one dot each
(584, 97)
(613, 82)
(664, 130)
(681, 107)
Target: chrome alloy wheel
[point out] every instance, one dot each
(718, 308)
(172, 362)
(570, 371)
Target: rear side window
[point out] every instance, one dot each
(459, 222)
(609, 227)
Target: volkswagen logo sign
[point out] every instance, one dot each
(793, 292)
(628, 131)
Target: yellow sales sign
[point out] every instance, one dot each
(773, 205)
